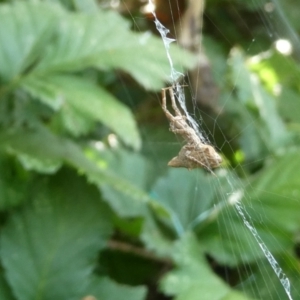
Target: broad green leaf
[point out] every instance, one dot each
(140, 173)
(192, 277)
(266, 284)
(246, 129)
(29, 162)
(42, 144)
(57, 41)
(186, 203)
(89, 6)
(88, 102)
(259, 106)
(275, 193)
(81, 44)
(289, 105)
(136, 170)
(5, 291)
(202, 203)
(25, 30)
(271, 205)
(228, 240)
(13, 183)
(49, 247)
(199, 202)
(105, 289)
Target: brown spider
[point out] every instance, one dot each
(195, 154)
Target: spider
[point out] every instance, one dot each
(195, 154)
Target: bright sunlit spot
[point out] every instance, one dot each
(269, 7)
(112, 140)
(148, 8)
(284, 46)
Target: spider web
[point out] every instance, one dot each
(236, 194)
(234, 198)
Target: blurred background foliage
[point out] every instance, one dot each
(89, 208)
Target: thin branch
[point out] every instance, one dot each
(129, 248)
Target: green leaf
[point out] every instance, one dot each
(57, 41)
(137, 170)
(199, 202)
(289, 105)
(246, 130)
(89, 6)
(25, 30)
(92, 102)
(275, 193)
(5, 291)
(47, 166)
(49, 247)
(42, 144)
(182, 200)
(192, 278)
(105, 289)
(263, 127)
(13, 183)
(273, 210)
(81, 44)
(266, 284)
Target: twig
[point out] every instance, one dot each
(129, 248)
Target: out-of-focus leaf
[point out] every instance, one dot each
(89, 6)
(274, 68)
(55, 239)
(187, 204)
(280, 73)
(81, 44)
(13, 183)
(42, 144)
(192, 276)
(217, 58)
(263, 283)
(246, 130)
(136, 170)
(25, 30)
(260, 106)
(117, 263)
(63, 41)
(5, 291)
(275, 193)
(194, 204)
(92, 102)
(203, 204)
(68, 42)
(271, 206)
(105, 289)
(289, 105)
(29, 162)
(195, 195)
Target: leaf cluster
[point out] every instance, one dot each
(85, 216)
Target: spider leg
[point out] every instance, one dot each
(163, 99)
(173, 102)
(164, 105)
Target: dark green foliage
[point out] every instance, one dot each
(84, 215)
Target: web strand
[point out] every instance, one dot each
(235, 198)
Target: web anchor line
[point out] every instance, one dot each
(235, 199)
